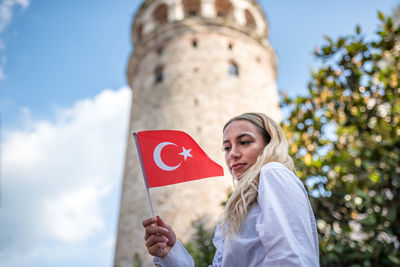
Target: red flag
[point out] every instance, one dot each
(171, 157)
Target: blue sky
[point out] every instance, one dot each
(64, 107)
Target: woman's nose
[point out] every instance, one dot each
(235, 152)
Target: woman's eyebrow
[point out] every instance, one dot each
(243, 135)
(238, 137)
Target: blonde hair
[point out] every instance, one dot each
(246, 191)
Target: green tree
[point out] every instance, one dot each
(201, 247)
(344, 138)
(137, 260)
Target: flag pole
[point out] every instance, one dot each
(143, 171)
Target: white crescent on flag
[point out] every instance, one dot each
(158, 160)
(172, 157)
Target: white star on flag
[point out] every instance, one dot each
(186, 153)
(150, 145)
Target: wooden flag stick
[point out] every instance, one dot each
(143, 171)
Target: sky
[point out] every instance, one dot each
(64, 110)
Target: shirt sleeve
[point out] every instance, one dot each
(176, 257)
(286, 229)
(218, 242)
(179, 257)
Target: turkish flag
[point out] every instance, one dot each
(171, 157)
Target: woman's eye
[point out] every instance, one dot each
(245, 142)
(226, 148)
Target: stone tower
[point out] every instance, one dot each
(195, 64)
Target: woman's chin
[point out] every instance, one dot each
(237, 177)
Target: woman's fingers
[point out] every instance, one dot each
(155, 230)
(158, 249)
(170, 235)
(149, 221)
(154, 239)
(160, 222)
(159, 236)
(152, 228)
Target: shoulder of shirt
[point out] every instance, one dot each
(284, 172)
(274, 165)
(277, 175)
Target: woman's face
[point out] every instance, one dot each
(243, 143)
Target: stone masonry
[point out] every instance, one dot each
(195, 64)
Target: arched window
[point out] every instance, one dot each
(160, 14)
(159, 74)
(223, 7)
(191, 7)
(250, 21)
(194, 43)
(233, 69)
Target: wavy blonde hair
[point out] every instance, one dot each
(246, 191)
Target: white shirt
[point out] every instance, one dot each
(279, 229)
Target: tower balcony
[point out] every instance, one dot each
(242, 15)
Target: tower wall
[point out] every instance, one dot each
(200, 89)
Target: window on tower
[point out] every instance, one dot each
(191, 7)
(160, 13)
(233, 69)
(223, 7)
(194, 43)
(159, 74)
(250, 21)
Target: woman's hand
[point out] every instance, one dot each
(159, 236)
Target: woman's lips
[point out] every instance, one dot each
(237, 166)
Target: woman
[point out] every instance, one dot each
(268, 220)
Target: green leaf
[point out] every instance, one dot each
(358, 29)
(354, 47)
(370, 220)
(374, 177)
(394, 259)
(389, 23)
(327, 50)
(381, 16)
(328, 39)
(341, 42)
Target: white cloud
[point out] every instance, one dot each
(6, 14)
(2, 45)
(59, 182)
(6, 11)
(2, 65)
(2, 74)
(74, 216)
